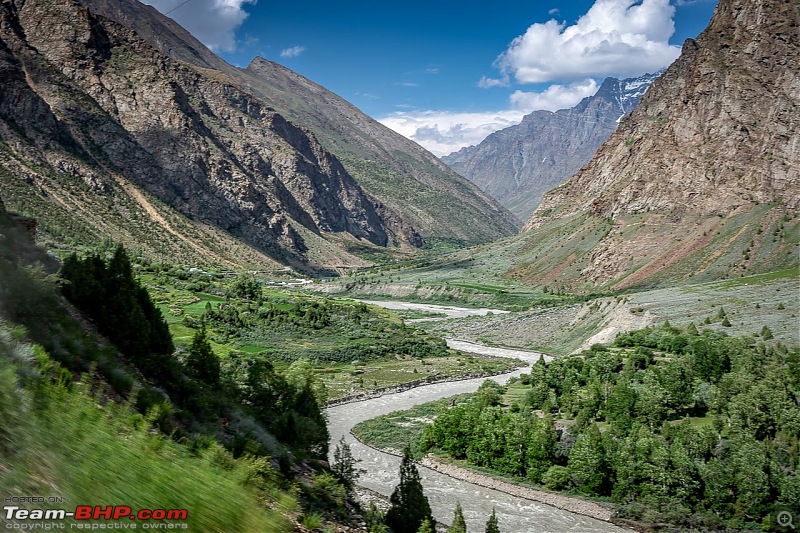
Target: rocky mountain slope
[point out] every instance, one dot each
(517, 165)
(103, 134)
(701, 180)
(411, 184)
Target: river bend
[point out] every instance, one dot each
(515, 515)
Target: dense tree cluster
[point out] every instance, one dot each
(289, 408)
(700, 430)
(244, 286)
(288, 405)
(122, 310)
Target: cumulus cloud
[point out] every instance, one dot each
(554, 97)
(620, 38)
(443, 132)
(294, 51)
(212, 22)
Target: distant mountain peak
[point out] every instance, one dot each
(627, 92)
(518, 164)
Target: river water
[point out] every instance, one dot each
(515, 515)
(447, 310)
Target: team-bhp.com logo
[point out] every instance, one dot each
(94, 517)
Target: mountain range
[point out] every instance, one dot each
(518, 164)
(114, 121)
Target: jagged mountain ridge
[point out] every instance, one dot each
(102, 134)
(409, 182)
(87, 100)
(518, 164)
(702, 179)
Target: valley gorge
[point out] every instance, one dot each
(214, 277)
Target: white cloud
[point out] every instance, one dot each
(294, 51)
(620, 38)
(212, 22)
(488, 83)
(554, 97)
(442, 132)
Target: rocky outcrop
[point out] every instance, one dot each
(702, 179)
(517, 165)
(87, 99)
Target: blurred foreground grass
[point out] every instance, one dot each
(69, 440)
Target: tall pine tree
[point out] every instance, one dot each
(201, 362)
(491, 524)
(410, 507)
(344, 465)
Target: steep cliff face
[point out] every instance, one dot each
(424, 195)
(85, 100)
(517, 165)
(702, 179)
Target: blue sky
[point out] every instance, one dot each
(447, 73)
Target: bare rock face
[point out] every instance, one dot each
(85, 99)
(518, 164)
(710, 157)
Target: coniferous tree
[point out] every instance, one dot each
(410, 507)
(491, 524)
(201, 362)
(459, 525)
(120, 307)
(344, 465)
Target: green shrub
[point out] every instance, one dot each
(312, 521)
(327, 492)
